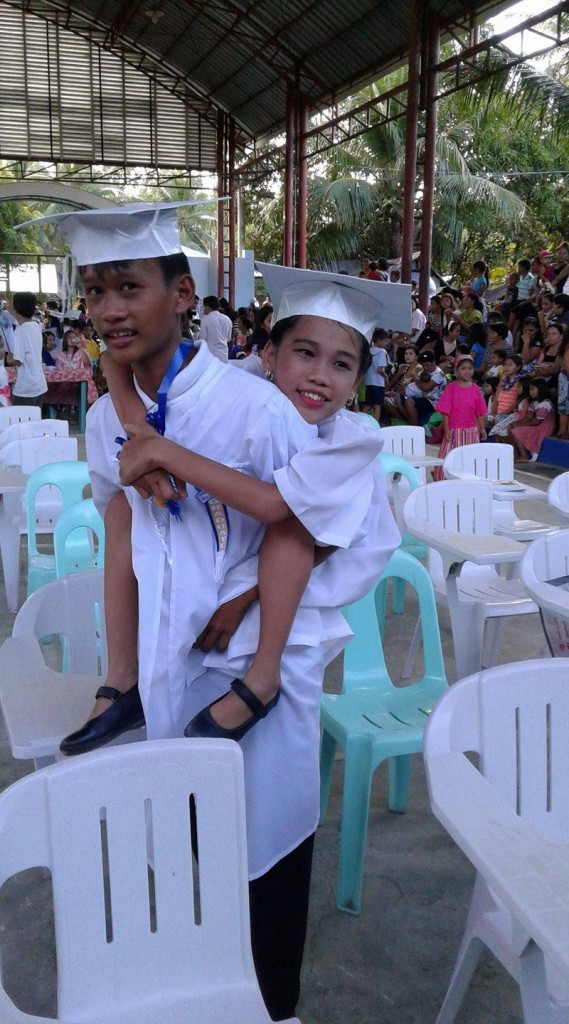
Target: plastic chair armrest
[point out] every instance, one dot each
(527, 870)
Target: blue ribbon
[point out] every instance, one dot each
(157, 419)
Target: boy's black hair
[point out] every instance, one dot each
(515, 359)
(173, 266)
(372, 265)
(383, 263)
(463, 349)
(25, 304)
(378, 335)
(53, 304)
(561, 300)
(282, 327)
(501, 352)
(501, 329)
(524, 263)
(495, 317)
(477, 335)
(211, 301)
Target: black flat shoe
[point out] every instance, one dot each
(124, 713)
(204, 726)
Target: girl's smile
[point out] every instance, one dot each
(316, 365)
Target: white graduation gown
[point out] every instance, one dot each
(247, 423)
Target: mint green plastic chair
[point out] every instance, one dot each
(71, 552)
(66, 481)
(373, 720)
(396, 467)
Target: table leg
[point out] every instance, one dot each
(82, 412)
(10, 518)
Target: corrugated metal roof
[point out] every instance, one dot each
(140, 81)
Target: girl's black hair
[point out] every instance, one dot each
(542, 386)
(517, 359)
(282, 327)
(477, 303)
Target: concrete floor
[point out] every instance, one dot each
(389, 965)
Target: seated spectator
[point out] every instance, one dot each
(548, 362)
(470, 312)
(496, 337)
(433, 329)
(561, 266)
(394, 276)
(405, 374)
(538, 422)
(511, 294)
(262, 328)
(560, 309)
(90, 342)
(545, 311)
(48, 345)
(476, 339)
(496, 368)
(507, 396)
(373, 273)
(563, 390)
(423, 393)
(72, 352)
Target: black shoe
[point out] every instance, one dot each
(124, 713)
(204, 726)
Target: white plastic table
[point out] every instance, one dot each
(12, 486)
(516, 492)
(422, 461)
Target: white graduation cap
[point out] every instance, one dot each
(134, 231)
(355, 301)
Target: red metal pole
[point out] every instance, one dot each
(302, 194)
(415, 23)
(431, 113)
(220, 183)
(231, 194)
(288, 241)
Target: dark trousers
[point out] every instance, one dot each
(278, 903)
(17, 400)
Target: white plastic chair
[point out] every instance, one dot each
(558, 494)
(510, 816)
(455, 519)
(548, 559)
(404, 441)
(31, 452)
(18, 414)
(494, 462)
(147, 852)
(34, 428)
(41, 705)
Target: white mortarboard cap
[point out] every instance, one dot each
(355, 301)
(134, 231)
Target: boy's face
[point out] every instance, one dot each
(135, 312)
(495, 359)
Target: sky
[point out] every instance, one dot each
(519, 12)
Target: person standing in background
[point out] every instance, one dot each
(26, 353)
(215, 328)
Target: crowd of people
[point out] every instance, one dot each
(510, 346)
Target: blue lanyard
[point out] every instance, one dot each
(158, 418)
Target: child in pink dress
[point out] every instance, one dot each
(463, 410)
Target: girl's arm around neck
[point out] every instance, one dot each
(124, 396)
(147, 452)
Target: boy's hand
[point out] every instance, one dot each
(224, 622)
(158, 484)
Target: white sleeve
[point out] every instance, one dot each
(347, 575)
(329, 484)
(19, 346)
(102, 427)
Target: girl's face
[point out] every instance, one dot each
(316, 366)
(464, 370)
(552, 336)
(410, 356)
(267, 323)
(510, 368)
(530, 329)
(546, 303)
(446, 301)
(467, 301)
(533, 392)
